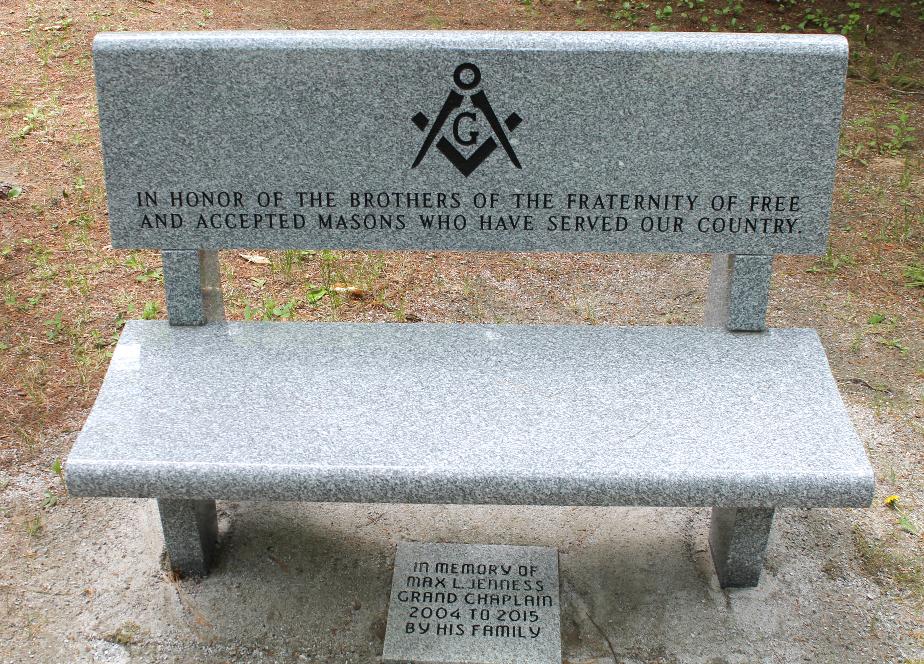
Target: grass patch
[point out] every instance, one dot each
(914, 273)
(885, 564)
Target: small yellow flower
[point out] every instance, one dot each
(891, 501)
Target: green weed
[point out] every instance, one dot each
(831, 262)
(278, 311)
(399, 311)
(844, 23)
(888, 138)
(906, 524)
(330, 265)
(731, 12)
(894, 343)
(74, 281)
(54, 327)
(895, 11)
(135, 263)
(286, 262)
(884, 563)
(35, 119)
(150, 310)
(49, 500)
(629, 12)
(9, 296)
(899, 71)
(915, 275)
(664, 13)
(853, 152)
(904, 181)
(40, 257)
(478, 293)
(434, 22)
(34, 526)
(902, 133)
(315, 294)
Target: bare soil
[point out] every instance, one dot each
(81, 580)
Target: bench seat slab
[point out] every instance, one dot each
(444, 413)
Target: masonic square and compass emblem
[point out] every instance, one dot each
(462, 125)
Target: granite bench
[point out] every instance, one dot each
(729, 415)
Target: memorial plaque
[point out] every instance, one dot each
(474, 604)
(536, 141)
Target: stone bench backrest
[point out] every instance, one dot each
(608, 142)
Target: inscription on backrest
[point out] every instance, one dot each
(618, 142)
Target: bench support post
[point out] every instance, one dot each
(190, 531)
(739, 287)
(738, 539)
(193, 286)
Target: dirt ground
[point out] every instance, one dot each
(82, 580)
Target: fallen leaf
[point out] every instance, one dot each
(345, 289)
(254, 258)
(315, 294)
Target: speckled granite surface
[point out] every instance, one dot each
(739, 288)
(500, 605)
(610, 114)
(568, 415)
(738, 540)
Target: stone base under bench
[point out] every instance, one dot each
(471, 414)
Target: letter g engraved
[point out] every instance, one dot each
(472, 135)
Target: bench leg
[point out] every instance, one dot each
(190, 530)
(738, 539)
(739, 286)
(193, 286)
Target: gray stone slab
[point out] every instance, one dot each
(738, 538)
(474, 604)
(336, 139)
(739, 289)
(192, 283)
(190, 530)
(443, 413)
(749, 293)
